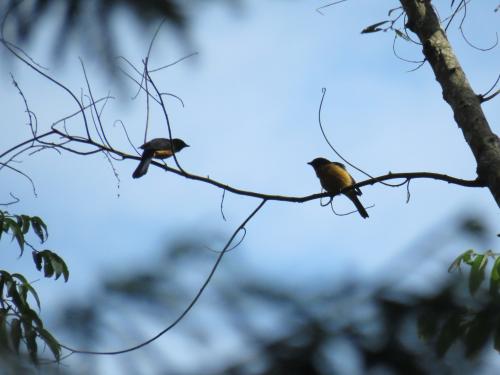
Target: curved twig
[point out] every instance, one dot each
(189, 306)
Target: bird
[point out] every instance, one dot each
(334, 177)
(159, 148)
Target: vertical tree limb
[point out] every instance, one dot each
(466, 105)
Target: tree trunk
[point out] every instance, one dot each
(466, 105)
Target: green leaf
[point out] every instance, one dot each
(60, 266)
(478, 333)
(3, 331)
(467, 256)
(31, 345)
(496, 337)
(37, 258)
(19, 302)
(373, 28)
(53, 264)
(56, 265)
(462, 257)
(476, 276)
(25, 219)
(15, 333)
(7, 222)
(48, 270)
(18, 235)
(450, 332)
(40, 228)
(495, 277)
(30, 316)
(51, 342)
(28, 287)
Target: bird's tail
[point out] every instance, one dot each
(359, 206)
(143, 166)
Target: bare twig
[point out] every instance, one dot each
(319, 10)
(16, 200)
(190, 305)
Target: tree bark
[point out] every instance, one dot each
(457, 92)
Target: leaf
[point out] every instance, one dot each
(48, 270)
(16, 297)
(2, 283)
(16, 232)
(15, 333)
(24, 222)
(30, 316)
(51, 342)
(450, 332)
(495, 277)
(7, 222)
(476, 276)
(37, 258)
(61, 266)
(3, 331)
(28, 287)
(467, 256)
(373, 28)
(496, 337)
(56, 265)
(31, 345)
(53, 264)
(40, 228)
(456, 263)
(477, 335)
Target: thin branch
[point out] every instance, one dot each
(408, 194)
(484, 97)
(319, 10)
(16, 200)
(33, 127)
(222, 204)
(167, 120)
(189, 306)
(323, 90)
(12, 48)
(467, 40)
(2, 165)
(232, 247)
(176, 62)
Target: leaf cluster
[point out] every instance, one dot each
(474, 324)
(20, 324)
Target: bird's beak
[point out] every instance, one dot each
(310, 163)
(187, 146)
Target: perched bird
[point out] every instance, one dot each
(334, 177)
(159, 148)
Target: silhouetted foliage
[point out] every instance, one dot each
(342, 327)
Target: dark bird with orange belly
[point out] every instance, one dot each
(158, 148)
(334, 178)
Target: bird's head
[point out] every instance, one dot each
(319, 162)
(178, 144)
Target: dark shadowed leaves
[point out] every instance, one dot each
(478, 332)
(450, 332)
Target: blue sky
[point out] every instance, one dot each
(251, 105)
